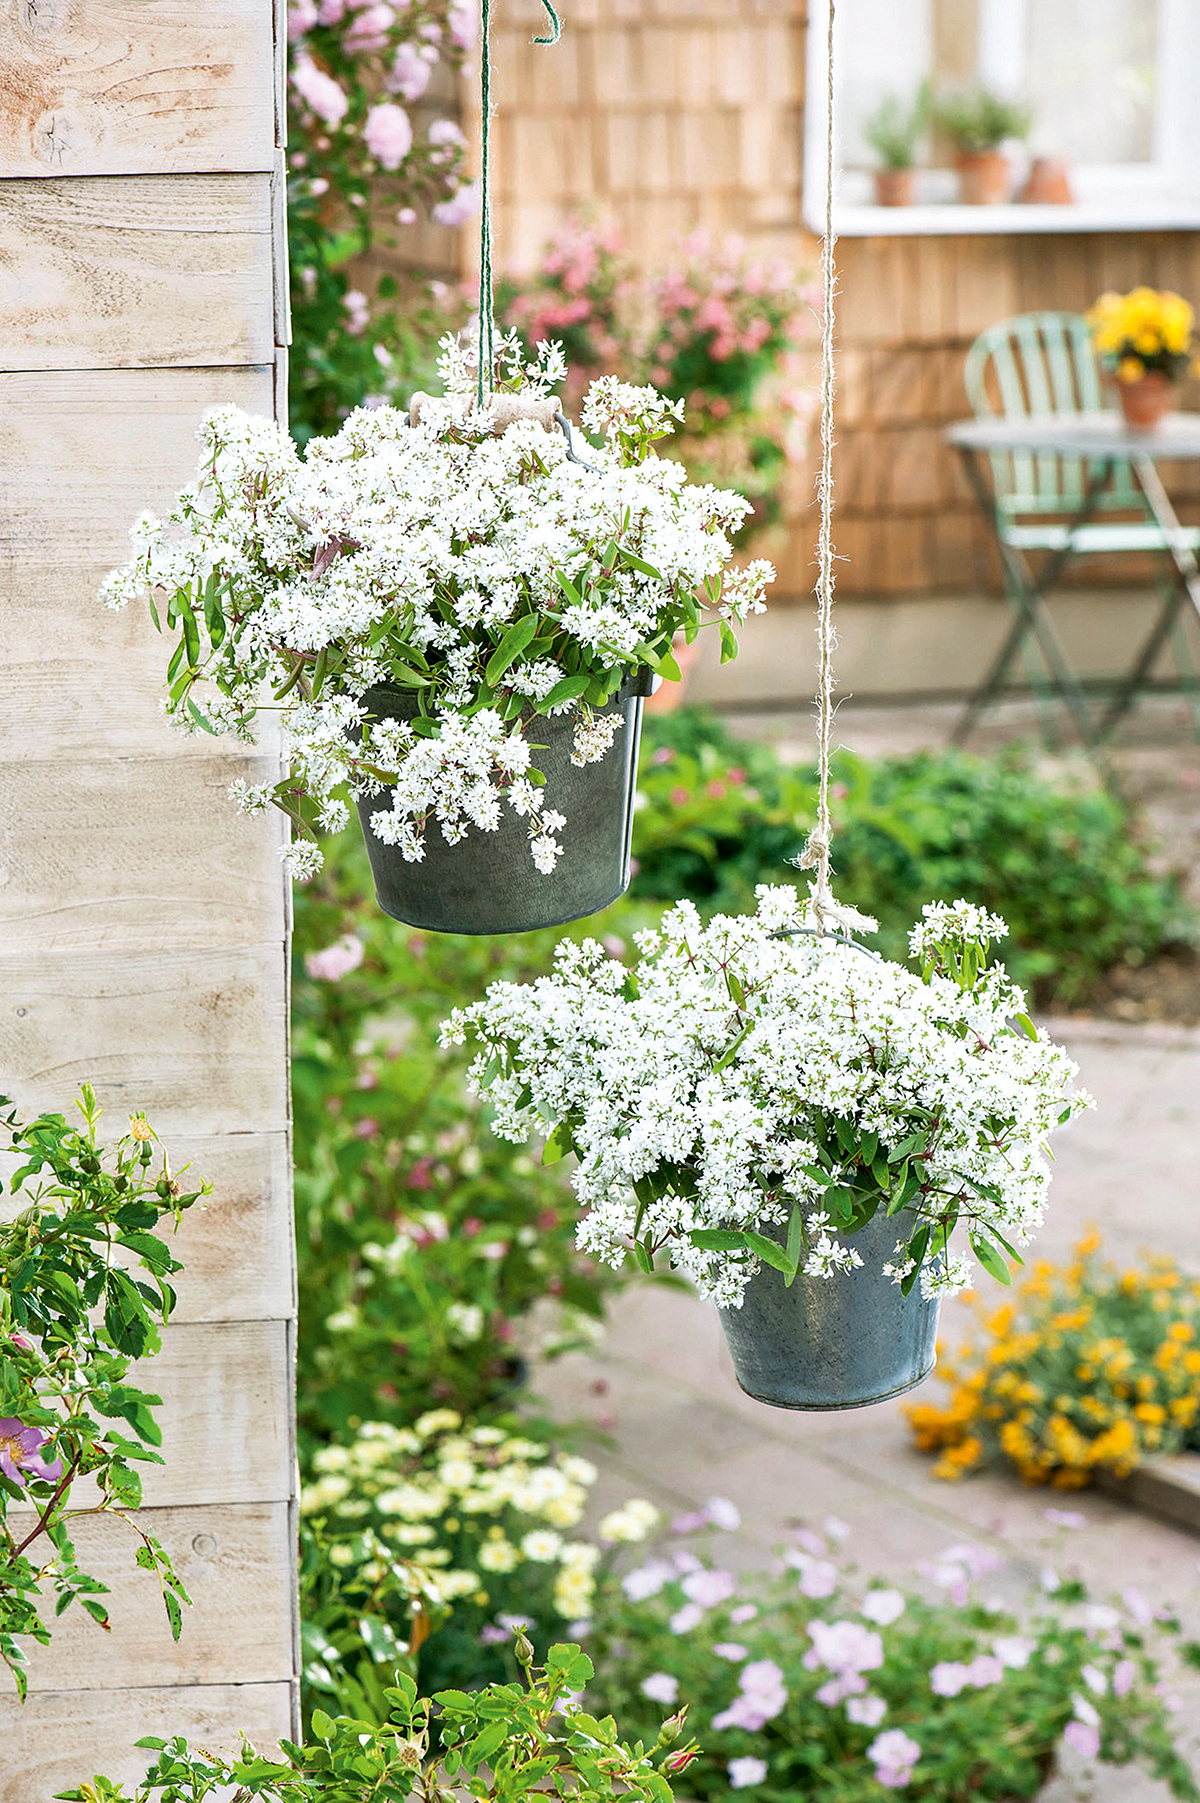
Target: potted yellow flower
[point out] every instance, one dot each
(1144, 339)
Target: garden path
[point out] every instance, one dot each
(662, 1389)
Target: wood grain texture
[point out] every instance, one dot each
(119, 272)
(104, 855)
(130, 87)
(225, 1416)
(86, 681)
(196, 1039)
(237, 1247)
(61, 1737)
(82, 453)
(235, 1561)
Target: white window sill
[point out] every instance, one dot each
(1122, 214)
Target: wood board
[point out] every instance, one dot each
(192, 1038)
(60, 1737)
(127, 438)
(225, 1416)
(133, 87)
(137, 852)
(113, 272)
(235, 1560)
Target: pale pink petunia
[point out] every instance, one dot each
(866, 1712)
(1124, 1674)
(883, 1606)
(1083, 1738)
(685, 1619)
(746, 1771)
(723, 1514)
(708, 1588)
(660, 1687)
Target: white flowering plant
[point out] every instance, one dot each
(754, 1091)
(423, 1545)
(825, 1683)
(478, 567)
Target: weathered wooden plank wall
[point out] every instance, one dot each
(143, 922)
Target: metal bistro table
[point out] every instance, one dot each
(1102, 443)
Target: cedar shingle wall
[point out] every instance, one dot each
(668, 114)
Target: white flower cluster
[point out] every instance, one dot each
(722, 1059)
(405, 555)
(452, 1505)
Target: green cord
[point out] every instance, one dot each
(486, 382)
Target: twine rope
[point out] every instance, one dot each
(816, 854)
(485, 386)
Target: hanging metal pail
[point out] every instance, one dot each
(488, 882)
(836, 1342)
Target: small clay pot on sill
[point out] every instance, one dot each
(984, 176)
(1144, 402)
(895, 187)
(1047, 184)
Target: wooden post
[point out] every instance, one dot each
(143, 921)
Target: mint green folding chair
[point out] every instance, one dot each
(1046, 502)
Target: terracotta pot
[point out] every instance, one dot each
(984, 177)
(1144, 402)
(1047, 184)
(894, 187)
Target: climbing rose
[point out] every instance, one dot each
(319, 91)
(388, 134)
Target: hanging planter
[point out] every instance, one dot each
(506, 602)
(798, 1125)
(443, 893)
(455, 615)
(835, 1342)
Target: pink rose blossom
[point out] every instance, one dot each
(369, 30)
(388, 134)
(332, 12)
(843, 1646)
(660, 1687)
(337, 960)
(320, 92)
(302, 16)
(20, 1453)
(463, 23)
(461, 206)
(410, 72)
(358, 311)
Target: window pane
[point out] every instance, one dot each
(1090, 76)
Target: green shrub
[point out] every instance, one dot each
(1060, 861)
(826, 1685)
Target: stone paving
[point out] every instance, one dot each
(679, 1429)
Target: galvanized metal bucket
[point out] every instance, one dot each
(488, 882)
(836, 1342)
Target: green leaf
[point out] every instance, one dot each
(1026, 1025)
(642, 567)
(730, 1053)
(510, 648)
(322, 1725)
(644, 1261)
(717, 1239)
(569, 688)
(767, 1250)
(729, 644)
(795, 1244)
(487, 1742)
(558, 1145)
(990, 1259)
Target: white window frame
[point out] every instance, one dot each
(1161, 195)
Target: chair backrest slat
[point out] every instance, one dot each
(1041, 363)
